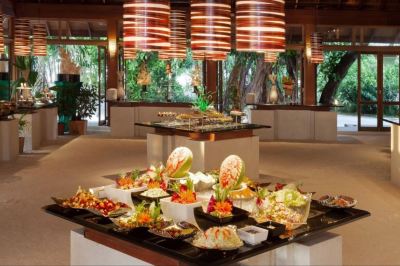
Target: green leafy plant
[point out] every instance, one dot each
(203, 101)
(22, 124)
(86, 103)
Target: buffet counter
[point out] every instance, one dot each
(295, 122)
(98, 243)
(124, 115)
(8, 139)
(395, 151)
(41, 125)
(210, 144)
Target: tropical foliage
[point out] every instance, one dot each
(174, 86)
(346, 93)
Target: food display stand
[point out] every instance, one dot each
(209, 145)
(32, 131)
(168, 215)
(98, 238)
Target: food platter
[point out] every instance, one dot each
(218, 238)
(179, 231)
(338, 202)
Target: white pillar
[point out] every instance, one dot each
(395, 151)
(8, 140)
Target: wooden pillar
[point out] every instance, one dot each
(211, 78)
(112, 53)
(310, 70)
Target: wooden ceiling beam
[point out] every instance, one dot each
(67, 11)
(293, 16)
(7, 7)
(347, 17)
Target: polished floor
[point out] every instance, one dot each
(357, 165)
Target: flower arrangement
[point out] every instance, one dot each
(184, 193)
(147, 216)
(203, 101)
(220, 206)
(156, 177)
(130, 180)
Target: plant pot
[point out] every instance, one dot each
(78, 127)
(61, 128)
(21, 144)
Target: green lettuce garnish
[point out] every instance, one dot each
(291, 198)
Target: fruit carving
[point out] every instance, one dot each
(184, 193)
(179, 162)
(231, 172)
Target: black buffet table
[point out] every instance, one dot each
(103, 231)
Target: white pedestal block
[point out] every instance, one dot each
(123, 119)
(325, 126)
(207, 155)
(122, 122)
(159, 147)
(322, 249)
(295, 124)
(8, 140)
(266, 118)
(88, 252)
(32, 132)
(48, 120)
(395, 152)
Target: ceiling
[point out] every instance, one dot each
(98, 28)
(290, 4)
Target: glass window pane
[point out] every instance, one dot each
(391, 78)
(369, 116)
(369, 73)
(391, 113)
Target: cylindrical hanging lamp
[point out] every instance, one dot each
(39, 40)
(2, 50)
(129, 53)
(210, 29)
(260, 25)
(146, 24)
(178, 36)
(270, 57)
(317, 55)
(22, 45)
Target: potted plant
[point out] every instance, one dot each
(22, 124)
(86, 103)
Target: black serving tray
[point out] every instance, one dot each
(237, 214)
(274, 229)
(183, 251)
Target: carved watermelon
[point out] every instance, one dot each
(232, 172)
(179, 162)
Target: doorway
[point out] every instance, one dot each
(378, 90)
